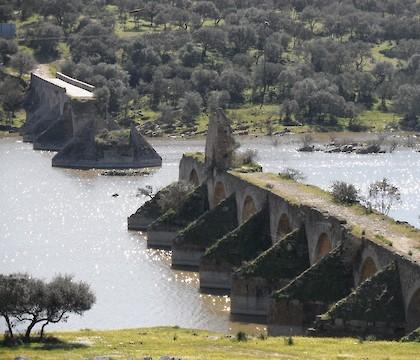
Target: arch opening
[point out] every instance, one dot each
(283, 227)
(368, 269)
(413, 312)
(248, 209)
(219, 193)
(194, 178)
(323, 247)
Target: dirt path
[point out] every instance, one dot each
(374, 225)
(73, 91)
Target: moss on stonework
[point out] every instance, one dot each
(376, 299)
(151, 208)
(211, 226)
(195, 204)
(113, 138)
(244, 243)
(197, 156)
(286, 259)
(328, 280)
(249, 168)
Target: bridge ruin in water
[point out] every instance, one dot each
(285, 252)
(63, 114)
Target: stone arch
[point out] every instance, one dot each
(219, 193)
(248, 209)
(368, 269)
(413, 311)
(193, 179)
(283, 227)
(323, 247)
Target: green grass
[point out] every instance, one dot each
(253, 120)
(197, 156)
(130, 30)
(378, 56)
(378, 120)
(17, 121)
(194, 344)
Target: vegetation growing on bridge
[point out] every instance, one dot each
(152, 209)
(114, 138)
(244, 243)
(197, 156)
(192, 206)
(376, 299)
(286, 259)
(212, 225)
(328, 281)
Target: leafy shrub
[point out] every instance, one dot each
(262, 336)
(241, 158)
(289, 341)
(383, 196)
(241, 336)
(344, 193)
(292, 174)
(175, 196)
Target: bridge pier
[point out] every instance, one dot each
(191, 243)
(242, 244)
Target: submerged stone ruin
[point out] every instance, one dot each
(285, 252)
(62, 115)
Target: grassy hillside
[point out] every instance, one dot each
(194, 344)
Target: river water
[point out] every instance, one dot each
(67, 221)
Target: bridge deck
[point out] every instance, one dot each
(71, 90)
(377, 227)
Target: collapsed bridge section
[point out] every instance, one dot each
(55, 109)
(62, 114)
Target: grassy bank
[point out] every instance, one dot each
(194, 344)
(255, 120)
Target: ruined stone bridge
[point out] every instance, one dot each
(285, 251)
(62, 115)
(57, 108)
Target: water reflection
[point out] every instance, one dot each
(67, 221)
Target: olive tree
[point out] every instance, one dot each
(191, 105)
(383, 196)
(31, 301)
(22, 62)
(344, 193)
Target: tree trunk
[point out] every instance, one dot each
(41, 335)
(383, 104)
(29, 329)
(9, 326)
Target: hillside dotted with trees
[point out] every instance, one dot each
(317, 64)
